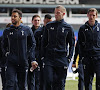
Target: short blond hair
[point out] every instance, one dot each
(92, 10)
(63, 9)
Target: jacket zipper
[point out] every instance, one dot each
(92, 30)
(18, 47)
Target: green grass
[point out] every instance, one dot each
(73, 84)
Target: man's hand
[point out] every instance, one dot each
(34, 64)
(74, 65)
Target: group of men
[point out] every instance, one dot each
(40, 56)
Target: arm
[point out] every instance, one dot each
(4, 43)
(71, 40)
(76, 54)
(37, 35)
(82, 40)
(31, 49)
(44, 42)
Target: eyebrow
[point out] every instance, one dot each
(36, 20)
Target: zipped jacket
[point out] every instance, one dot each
(56, 37)
(20, 43)
(89, 39)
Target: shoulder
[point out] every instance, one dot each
(99, 24)
(68, 26)
(25, 27)
(65, 24)
(82, 27)
(38, 31)
(50, 23)
(6, 30)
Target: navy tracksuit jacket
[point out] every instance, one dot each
(89, 41)
(20, 43)
(57, 35)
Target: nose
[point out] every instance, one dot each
(91, 16)
(12, 17)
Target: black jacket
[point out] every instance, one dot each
(89, 39)
(20, 43)
(56, 37)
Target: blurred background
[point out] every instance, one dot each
(76, 10)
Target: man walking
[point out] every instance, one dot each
(89, 41)
(57, 35)
(18, 44)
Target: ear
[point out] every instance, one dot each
(20, 18)
(96, 16)
(63, 13)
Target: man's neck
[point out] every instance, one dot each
(91, 23)
(16, 25)
(36, 27)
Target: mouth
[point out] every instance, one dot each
(91, 19)
(13, 20)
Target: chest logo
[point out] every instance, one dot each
(63, 29)
(41, 35)
(86, 29)
(22, 33)
(52, 28)
(11, 33)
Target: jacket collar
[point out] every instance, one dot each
(13, 27)
(33, 27)
(96, 22)
(62, 20)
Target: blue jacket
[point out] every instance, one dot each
(89, 39)
(56, 37)
(20, 43)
